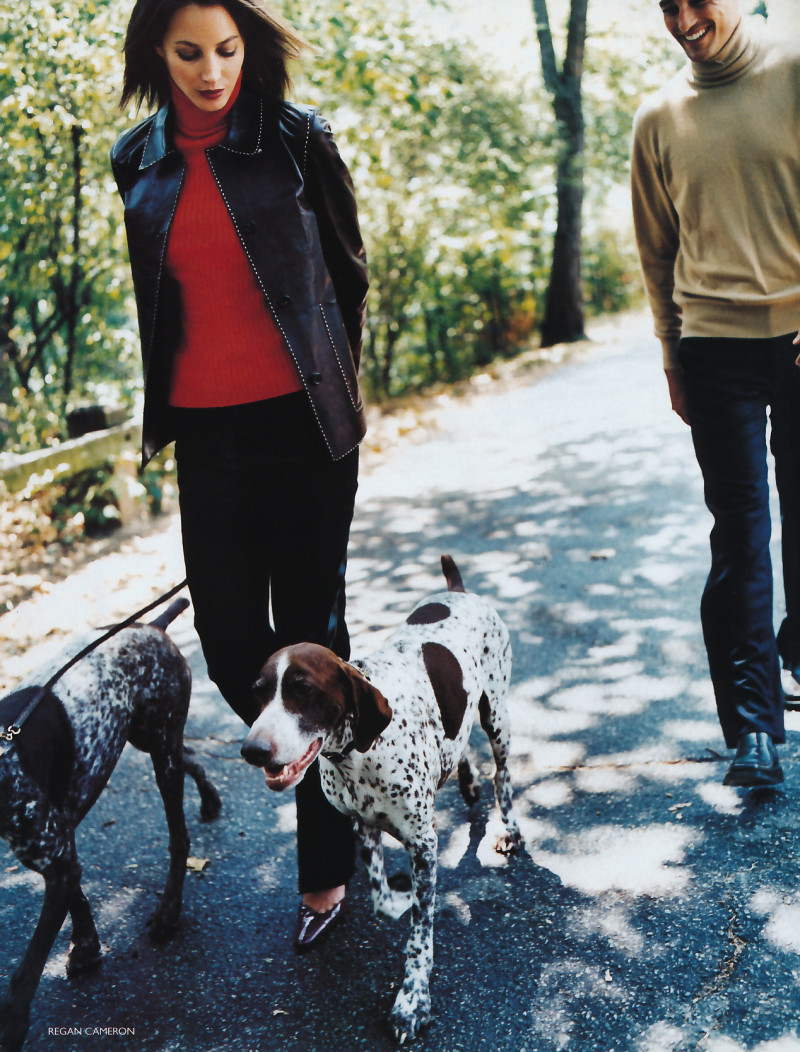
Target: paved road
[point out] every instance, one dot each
(655, 911)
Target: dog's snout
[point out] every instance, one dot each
(260, 755)
(256, 753)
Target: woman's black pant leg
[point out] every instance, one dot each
(265, 518)
(312, 560)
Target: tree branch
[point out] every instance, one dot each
(552, 77)
(576, 39)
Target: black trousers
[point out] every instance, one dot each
(265, 520)
(730, 385)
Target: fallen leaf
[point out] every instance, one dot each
(196, 865)
(608, 977)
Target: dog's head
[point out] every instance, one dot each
(305, 693)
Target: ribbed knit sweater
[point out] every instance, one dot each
(715, 177)
(231, 350)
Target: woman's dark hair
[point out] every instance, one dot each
(269, 43)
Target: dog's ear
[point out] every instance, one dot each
(371, 712)
(46, 746)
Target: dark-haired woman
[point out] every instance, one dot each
(250, 281)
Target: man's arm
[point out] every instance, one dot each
(657, 235)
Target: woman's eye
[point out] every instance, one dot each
(188, 56)
(226, 54)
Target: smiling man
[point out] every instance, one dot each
(716, 201)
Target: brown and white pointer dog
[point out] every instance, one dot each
(389, 729)
(134, 687)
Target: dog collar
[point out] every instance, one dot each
(337, 757)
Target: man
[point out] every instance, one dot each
(716, 201)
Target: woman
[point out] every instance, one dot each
(250, 281)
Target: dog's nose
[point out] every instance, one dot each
(255, 752)
(260, 755)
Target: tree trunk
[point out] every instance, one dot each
(73, 286)
(564, 315)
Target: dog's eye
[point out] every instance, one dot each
(301, 688)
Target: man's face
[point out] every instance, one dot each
(701, 27)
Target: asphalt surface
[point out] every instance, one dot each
(654, 909)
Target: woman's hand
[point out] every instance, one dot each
(677, 392)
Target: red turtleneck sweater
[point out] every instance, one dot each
(231, 351)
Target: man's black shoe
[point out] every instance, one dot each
(756, 762)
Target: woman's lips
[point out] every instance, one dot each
(212, 95)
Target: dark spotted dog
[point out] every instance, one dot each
(134, 687)
(389, 729)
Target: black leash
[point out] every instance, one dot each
(14, 729)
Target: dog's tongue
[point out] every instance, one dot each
(292, 772)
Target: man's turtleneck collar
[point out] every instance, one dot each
(195, 124)
(731, 61)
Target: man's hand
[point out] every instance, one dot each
(677, 391)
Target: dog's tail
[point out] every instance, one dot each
(169, 615)
(452, 575)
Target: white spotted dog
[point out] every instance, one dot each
(389, 729)
(133, 687)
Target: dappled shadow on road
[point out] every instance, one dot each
(653, 910)
(617, 756)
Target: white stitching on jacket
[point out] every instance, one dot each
(308, 137)
(338, 359)
(269, 304)
(246, 153)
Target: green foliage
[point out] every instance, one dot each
(448, 167)
(611, 281)
(65, 311)
(615, 84)
(87, 503)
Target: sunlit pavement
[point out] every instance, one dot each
(655, 909)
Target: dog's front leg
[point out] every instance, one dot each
(385, 900)
(412, 1006)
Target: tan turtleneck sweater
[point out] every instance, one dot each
(715, 176)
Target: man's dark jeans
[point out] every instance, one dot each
(265, 519)
(730, 385)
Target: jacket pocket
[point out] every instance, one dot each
(334, 326)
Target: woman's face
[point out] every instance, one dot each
(204, 53)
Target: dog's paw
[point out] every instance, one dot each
(509, 843)
(210, 805)
(410, 1014)
(163, 925)
(84, 957)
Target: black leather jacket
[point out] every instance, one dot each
(291, 200)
